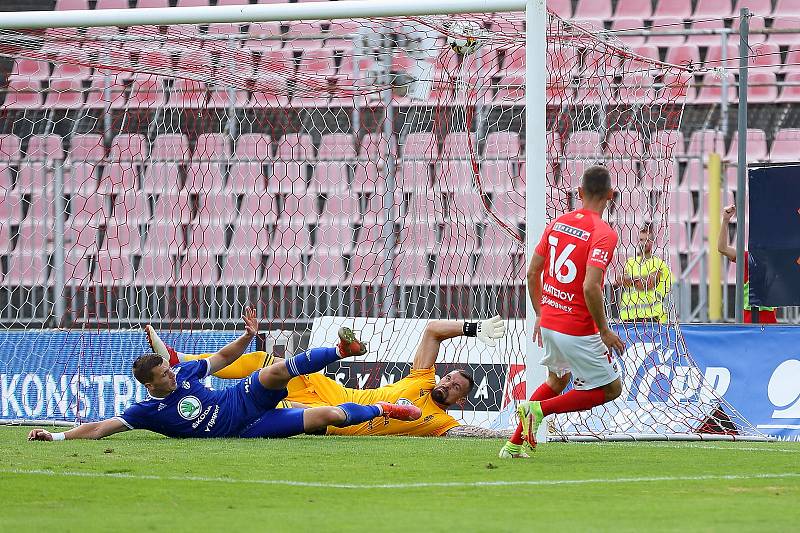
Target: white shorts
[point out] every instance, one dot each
(586, 357)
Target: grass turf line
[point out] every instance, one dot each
(178, 499)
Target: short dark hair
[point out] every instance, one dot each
(144, 365)
(596, 181)
(466, 375)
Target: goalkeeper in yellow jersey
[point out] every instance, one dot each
(418, 388)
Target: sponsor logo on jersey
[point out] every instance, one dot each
(187, 385)
(600, 255)
(571, 231)
(403, 401)
(189, 408)
(161, 406)
(546, 300)
(558, 293)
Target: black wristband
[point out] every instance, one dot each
(470, 329)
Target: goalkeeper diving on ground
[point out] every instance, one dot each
(180, 405)
(418, 389)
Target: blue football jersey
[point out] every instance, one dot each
(191, 410)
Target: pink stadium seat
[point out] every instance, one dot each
(23, 94)
(714, 56)
(412, 269)
(5, 238)
(425, 205)
(497, 176)
(633, 8)
(111, 4)
(152, 3)
(685, 54)
(204, 176)
(258, 208)
(88, 208)
(161, 177)
(784, 146)
(295, 147)
(414, 175)
(221, 99)
(34, 236)
(29, 70)
(375, 145)
(510, 208)
(712, 8)
(786, 7)
(155, 270)
(129, 147)
(291, 236)
(676, 88)
(44, 147)
(681, 206)
(212, 146)
(82, 177)
(765, 57)
(510, 89)
(703, 142)
(170, 147)
(86, 147)
(251, 237)
(667, 23)
(242, 268)
(193, 3)
(629, 23)
(76, 71)
(592, 9)
(376, 212)
(287, 177)
(791, 89)
(418, 237)
(253, 147)
(369, 177)
(694, 178)
(28, 270)
(119, 237)
(112, 270)
(96, 95)
(372, 238)
(9, 147)
(497, 239)
(762, 88)
(584, 143)
(216, 207)
(131, 208)
(494, 269)
(785, 39)
(284, 268)
(562, 7)
(205, 237)
(624, 172)
(146, 93)
(466, 206)
(246, 178)
(706, 40)
(792, 63)
(62, 5)
(32, 177)
(624, 143)
(711, 90)
(119, 178)
(420, 146)
(188, 94)
(172, 208)
(64, 94)
(457, 144)
(458, 237)
(756, 23)
(572, 171)
(502, 145)
(299, 207)
(329, 177)
(657, 173)
(453, 269)
(454, 175)
(667, 143)
(758, 7)
(366, 269)
(317, 62)
(163, 237)
(340, 208)
(334, 237)
(337, 146)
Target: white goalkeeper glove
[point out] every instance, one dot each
(491, 329)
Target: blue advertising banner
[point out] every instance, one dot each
(774, 237)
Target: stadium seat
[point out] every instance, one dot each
(155, 270)
(253, 147)
(121, 237)
(111, 4)
(762, 88)
(131, 208)
(681, 206)
(417, 236)
(64, 94)
(510, 208)
(23, 94)
(173, 207)
(193, 3)
(89, 208)
(337, 146)
(146, 93)
(757, 7)
(497, 176)
(453, 175)
(170, 147)
(205, 237)
(34, 237)
(369, 177)
(366, 269)
(75, 71)
(414, 175)
(9, 147)
(29, 70)
(376, 145)
(44, 147)
(316, 62)
(96, 97)
(26, 269)
(129, 147)
(494, 269)
(624, 172)
(211, 146)
(372, 238)
(246, 178)
(784, 146)
(32, 177)
(703, 142)
(714, 56)
(217, 207)
(62, 5)
(329, 177)
(684, 54)
(220, 98)
(113, 270)
(188, 94)
(412, 268)
(5, 238)
(496, 239)
(163, 237)
(784, 8)
(592, 10)
(152, 3)
(791, 89)
(458, 236)
(376, 212)
(791, 39)
(85, 147)
(454, 269)
(710, 92)
(296, 147)
(562, 7)
(624, 143)
(764, 57)
(584, 143)
(334, 237)
(657, 173)
(694, 177)
(420, 146)
(161, 178)
(242, 268)
(666, 24)
(792, 63)
(284, 268)
(457, 144)
(501, 145)
(676, 88)
(633, 8)
(667, 143)
(299, 207)
(258, 208)
(291, 236)
(673, 8)
(82, 177)
(629, 23)
(340, 208)
(425, 205)
(712, 8)
(119, 178)
(756, 23)
(251, 236)
(708, 39)
(572, 172)
(466, 206)
(204, 176)
(287, 177)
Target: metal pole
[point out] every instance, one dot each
(389, 279)
(58, 241)
(741, 170)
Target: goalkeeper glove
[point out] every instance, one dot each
(491, 329)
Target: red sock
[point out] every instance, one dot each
(574, 400)
(544, 392)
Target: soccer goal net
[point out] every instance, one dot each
(367, 172)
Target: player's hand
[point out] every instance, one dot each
(612, 341)
(40, 434)
(491, 329)
(537, 332)
(728, 212)
(250, 321)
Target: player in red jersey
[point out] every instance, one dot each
(565, 284)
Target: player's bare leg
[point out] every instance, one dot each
(277, 375)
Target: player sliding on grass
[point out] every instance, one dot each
(419, 388)
(180, 405)
(571, 324)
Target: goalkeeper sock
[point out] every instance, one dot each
(544, 392)
(245, 365)
(311, 361)
(356, 413)
(574, 400)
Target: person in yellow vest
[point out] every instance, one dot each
(645, 282)
(419, 387)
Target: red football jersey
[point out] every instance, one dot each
(569, 244)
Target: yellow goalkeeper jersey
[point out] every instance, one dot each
(316, 390)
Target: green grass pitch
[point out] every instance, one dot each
(140, 481)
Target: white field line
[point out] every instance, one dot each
(732, 448)
(457, 484)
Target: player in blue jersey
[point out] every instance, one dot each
(180, 405)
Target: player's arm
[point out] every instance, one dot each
(233, 350)
(438, 331)
(92, 431)
(722, 239)
(593, 294)
(534, 275)
(477, 432)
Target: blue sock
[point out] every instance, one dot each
(357, 413)
(311, 361)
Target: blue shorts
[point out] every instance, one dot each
(257, 405)
(274, 424)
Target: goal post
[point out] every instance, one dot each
(332, 163)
